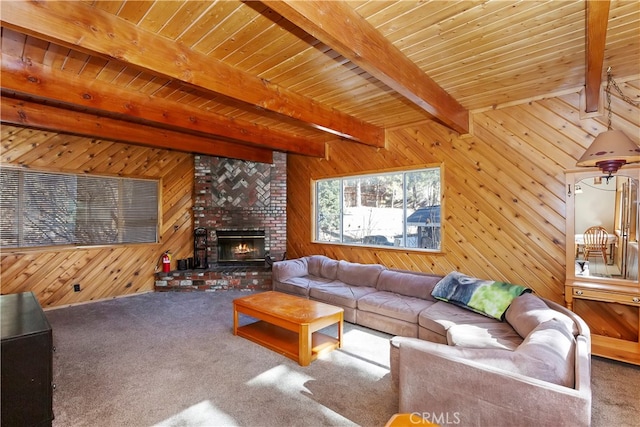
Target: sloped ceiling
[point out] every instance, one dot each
(242, 79)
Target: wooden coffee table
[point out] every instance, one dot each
(288, 324)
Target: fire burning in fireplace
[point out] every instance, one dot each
(243, 249)
(241, 246)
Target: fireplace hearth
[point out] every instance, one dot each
(241, 247)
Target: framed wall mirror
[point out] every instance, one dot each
(602, 265)
(602, 227)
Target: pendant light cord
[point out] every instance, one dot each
(608, 92)
(612, 82)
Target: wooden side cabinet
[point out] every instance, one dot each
(27, 362)
(611, 343)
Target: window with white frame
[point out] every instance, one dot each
(393, 209)
(49, 209)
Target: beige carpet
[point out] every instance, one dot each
(616, 393)
(170, 359)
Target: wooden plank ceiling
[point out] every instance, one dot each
(243, 79)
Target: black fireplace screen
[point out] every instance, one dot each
(241, 246)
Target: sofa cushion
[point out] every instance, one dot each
(283, 270)
(408, 283)
(299, 285)
(393, 305)
(548, 354)
(511, 361)
(528, 311)
(440, 316)
(484, 335)
(322, 266)
(553, 346)
(356, 274)
(486, 297)
(339, 293)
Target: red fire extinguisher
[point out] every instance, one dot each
(166, 262)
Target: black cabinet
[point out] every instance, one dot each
(27, 362)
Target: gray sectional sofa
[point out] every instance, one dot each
(449, 363)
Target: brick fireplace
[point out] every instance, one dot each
(236, 198)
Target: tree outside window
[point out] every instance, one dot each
(395, 209)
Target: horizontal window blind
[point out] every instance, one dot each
(48, 209)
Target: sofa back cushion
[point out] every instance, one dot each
(527, 311)
(553, 346)
(283, 270)
(356, 274)
(408, 283)
(322, 266)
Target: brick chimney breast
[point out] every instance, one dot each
(239, 195)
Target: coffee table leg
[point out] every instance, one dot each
(235, 320)
(304, 345)
(340, 330)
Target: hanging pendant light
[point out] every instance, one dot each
(611, 149)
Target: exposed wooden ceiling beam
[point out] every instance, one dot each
(108, 100)
(79, 26)
(24, 113)
(597, 12)
(340, 27)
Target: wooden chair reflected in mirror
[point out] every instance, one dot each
(595, 242)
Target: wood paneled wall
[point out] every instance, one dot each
(102, 272)
(504, 200)
(504, 195)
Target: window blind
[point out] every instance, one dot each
(48, 209)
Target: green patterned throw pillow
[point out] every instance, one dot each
(487, 297)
